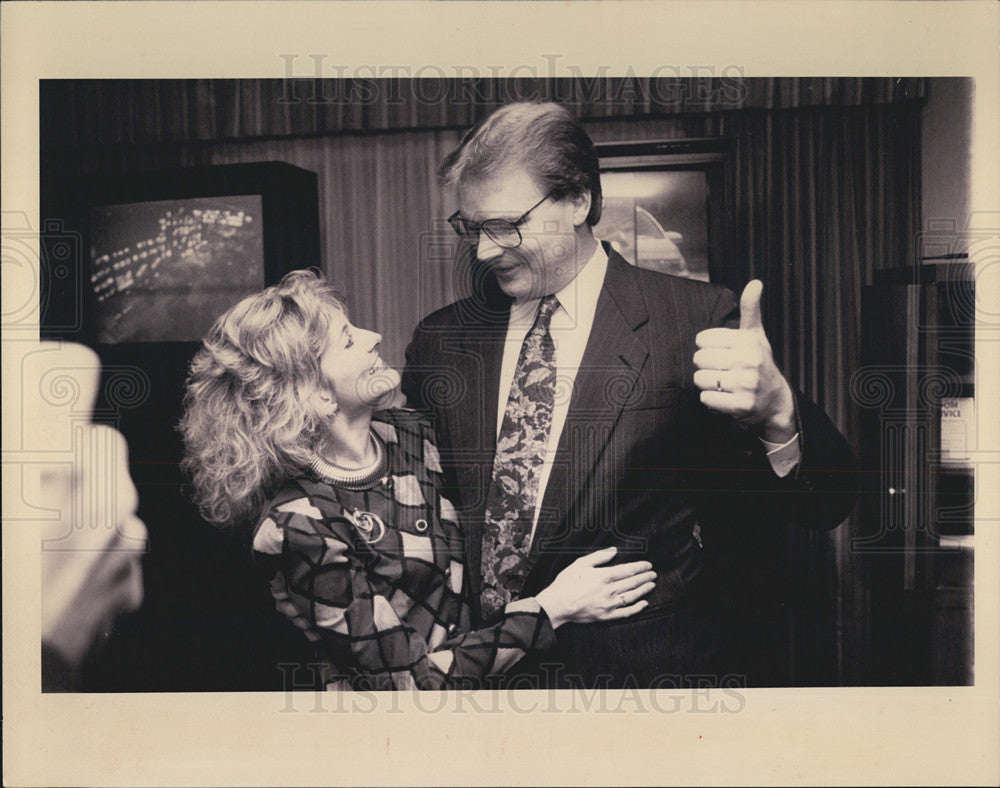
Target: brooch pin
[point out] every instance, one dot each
(369, 525)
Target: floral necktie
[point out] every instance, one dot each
(521, 447)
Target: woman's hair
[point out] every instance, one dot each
(249, 409)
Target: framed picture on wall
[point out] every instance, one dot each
(667, 206)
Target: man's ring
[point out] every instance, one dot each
(621, 601)
(718, 384)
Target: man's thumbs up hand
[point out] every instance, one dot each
(750, 306)
(737, 374)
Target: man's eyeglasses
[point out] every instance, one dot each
(502, 232)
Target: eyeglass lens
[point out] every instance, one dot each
(500, 231)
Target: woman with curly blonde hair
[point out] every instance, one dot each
(286, 427)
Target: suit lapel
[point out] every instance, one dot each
(616, 352)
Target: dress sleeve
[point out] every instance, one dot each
(327, 584)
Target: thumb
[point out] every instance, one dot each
(598, 557)
(750, 305)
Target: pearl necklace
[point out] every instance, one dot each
(353, 478)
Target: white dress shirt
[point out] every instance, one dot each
(570, 330)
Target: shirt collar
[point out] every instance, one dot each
(578, 297)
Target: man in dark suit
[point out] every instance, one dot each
(669, 431)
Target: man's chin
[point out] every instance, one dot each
(515, 287)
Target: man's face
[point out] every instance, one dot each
(548, 258)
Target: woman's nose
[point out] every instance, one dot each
(374, 338)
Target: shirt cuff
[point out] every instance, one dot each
(783, 456)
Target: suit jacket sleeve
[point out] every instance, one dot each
(819, 493)
(415, 372)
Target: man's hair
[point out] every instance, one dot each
(249, 421)
(544, 139)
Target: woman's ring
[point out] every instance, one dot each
(621, 601)
(718, 384)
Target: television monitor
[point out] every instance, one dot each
(164, 253)
(164, 270)
(667, 205)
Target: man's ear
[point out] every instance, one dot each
(581, 208)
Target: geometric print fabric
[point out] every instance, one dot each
(393, 614)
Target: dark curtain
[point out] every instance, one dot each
(826, 183)
(115, 112)
(824, 197)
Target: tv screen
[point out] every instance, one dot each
(164, 270)
(658, 219)
(668, 206)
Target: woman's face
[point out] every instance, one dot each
(353, 367)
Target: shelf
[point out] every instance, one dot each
(919, 440)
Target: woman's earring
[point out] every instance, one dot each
(329, 404)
